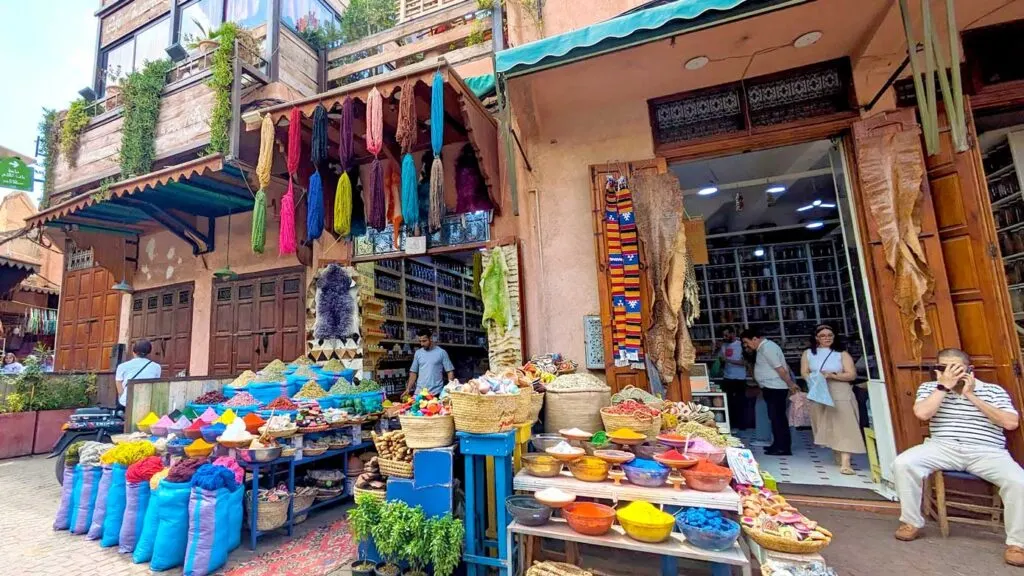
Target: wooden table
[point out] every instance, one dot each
(728, 499)
(675, 547)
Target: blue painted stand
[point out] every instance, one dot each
(432, 485)
(475, 449)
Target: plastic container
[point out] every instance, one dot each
(542, 442)
(589, 518)
(266, 414)
(646, 475)
(709, 539)
(704, 482)
(589, 469)
(541, 465)
(648, 532)
(527, 510)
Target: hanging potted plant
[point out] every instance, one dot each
(361, 520)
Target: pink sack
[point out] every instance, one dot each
(799, 410)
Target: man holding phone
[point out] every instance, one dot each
(967, 419)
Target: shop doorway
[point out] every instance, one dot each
(784, 258)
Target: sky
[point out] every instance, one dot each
(48, 47)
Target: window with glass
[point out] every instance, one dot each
(132, 53)
(308, 15)
(249, 14)
(198, 20)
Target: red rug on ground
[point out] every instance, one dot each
(318, 553)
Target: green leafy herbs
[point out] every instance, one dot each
(404, 534)
(49, 138)
(447, 535)
(363, 517)
(34, 389)
(141, 91)
(75, 121)
(221, 80)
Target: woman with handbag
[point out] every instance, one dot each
(829, 371)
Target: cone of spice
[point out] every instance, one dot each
(253, 422)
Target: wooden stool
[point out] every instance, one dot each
(937, 504)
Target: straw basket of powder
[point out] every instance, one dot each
(483, 414)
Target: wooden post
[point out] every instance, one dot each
(273, 39)
(236, 103)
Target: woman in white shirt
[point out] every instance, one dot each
(836, 427)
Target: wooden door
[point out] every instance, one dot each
(255, 319)
(164, 317)
(89, 315)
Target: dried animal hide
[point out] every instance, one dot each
(335, 304)
(658, 203)
(892, 169)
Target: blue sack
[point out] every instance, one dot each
(84, 495)
(136, 501)
(115, 506)
(267, 392)
(62, 521)
(172, 528)
(150, 521)
(214, 530)
(100, 507)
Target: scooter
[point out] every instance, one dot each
(97, 424)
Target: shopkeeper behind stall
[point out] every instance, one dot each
(430, 365)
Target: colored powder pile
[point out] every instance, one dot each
(189, 413)
(282, 403)
(198, 449)
(672, 437)
(213, 430)
(705, 467)
(675, 456)
(242, 399)
(645, 513)
(164, 423)
(599, 438)
(701, 445)
(647, 465)
(211, 397)
(275, 368)
(155, 480)
(180, 442)
(148, 420)
(253, 422)
(181, 424)
(128, 453)
(243, 379)
(210, 477)
(627, 434)
(185, 469)
(304, 372)
(230, 463)
(311, 390)
(302, 361)
(210, 415)
(333, 365)
(227, 417)
(90, 452)
(342, 386)
(592, 510)
(71, 454)
(143, 470)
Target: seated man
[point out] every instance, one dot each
(967, 418)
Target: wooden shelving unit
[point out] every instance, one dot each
(1003, 176)
(721, 412)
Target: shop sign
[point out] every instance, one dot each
(15, 174)
(416, 245)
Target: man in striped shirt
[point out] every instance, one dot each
(967, 418)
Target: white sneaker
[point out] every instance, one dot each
(760, 443)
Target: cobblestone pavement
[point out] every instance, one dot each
(29, 495)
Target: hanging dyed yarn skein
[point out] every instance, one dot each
(393, 189)
(376, 216)
(263, 168)
(406, 136)
(318, 154)
(343, 194)
(436, 142)
(286, 237)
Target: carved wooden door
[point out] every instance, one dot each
(89, 316)
(164, 317)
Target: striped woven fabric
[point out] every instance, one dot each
(624, 272)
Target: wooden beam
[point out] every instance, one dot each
(429, 43)
(396, 33)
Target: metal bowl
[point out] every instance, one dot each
(259, 454)
(527, 510)
(542, 442)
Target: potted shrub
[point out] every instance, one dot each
(391, 535)
(416, 551)
(17, 426)
(361, 520)
(205, 41)
(44, 402)
(447, 535)
(114, 76)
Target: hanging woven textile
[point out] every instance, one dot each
(470, 189)
(436, 212)
(393, 186)
(410, 193)
(376, 217)
(264, 165)
(286, 237)
(343, 194)
(624, 270)
(406, 136)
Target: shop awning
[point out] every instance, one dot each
(209, 187)
(14, 271)
(633, 28)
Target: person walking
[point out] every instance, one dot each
(734, 381)
(773, 376)
(430, 365)
(836, 427)
(140, 367)
(966, 419)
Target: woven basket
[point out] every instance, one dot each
(523, 405)
(649, 426)
(428, 431)
(313, 451)
(269, 515)
(779, 544)
(480, 414)
(574, 409)
(395, 468)
(536, 404)
(302, 503)
(378, 494)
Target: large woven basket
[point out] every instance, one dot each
(523, 405)
(779, 544)
(378, 494)
(483, 414)
(536, 404)
(576, 409)
(428, 431)
(649, 426)
(302, 503)
(269, 515)
(395, 468)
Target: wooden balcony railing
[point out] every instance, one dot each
(460, 31)
(412, 9)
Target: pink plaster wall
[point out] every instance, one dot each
(561, 16)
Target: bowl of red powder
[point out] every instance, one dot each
(707, 477)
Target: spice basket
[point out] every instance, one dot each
(481, 414)
(378, 494)
(428, 431)
(650, 426)
(574, 409)
(280, 432)
(536, 403)
(523, 404)
(269, 515)
(395, 468)
(779, 544)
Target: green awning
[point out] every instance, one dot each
(631, 29)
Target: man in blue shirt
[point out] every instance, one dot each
(430, 365)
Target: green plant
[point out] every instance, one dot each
(446, 538)
(362, 518)
(485, 4)
(365, 17)
(75, 121)
(49, 138)
(142, 90)
(15, 402)
(416, 550)
(38, 390)
(103, 193)
(477, 34)
(221, 80)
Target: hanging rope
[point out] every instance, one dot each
(393, 183)
(436, 142)
(406, 131)
(263, 168)
(315, 210)
(376, 218)
(410, 193)
(345, 151)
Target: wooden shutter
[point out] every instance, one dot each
(164, 317)
(89, 316)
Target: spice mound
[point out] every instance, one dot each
(642, 512)
(282, 403)
(633, 408)
(303, 372)
(626, 434)
(563, 448)
(211, 397)
(243, 379)
(242, 399)
(333, 365)
(705, 467)
(311, 391)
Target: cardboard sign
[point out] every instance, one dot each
(416, 245)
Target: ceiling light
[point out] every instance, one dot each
(816, 203)
(815, 225)
(707, 191)
(697, 63)
(805, 208)
(826, 205)
(807, 39)
(759, 252)
(776, 190)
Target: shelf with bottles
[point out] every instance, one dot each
(421, 272)
(389, 284)
(449, 317)
(420, 312)
(420, 292)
